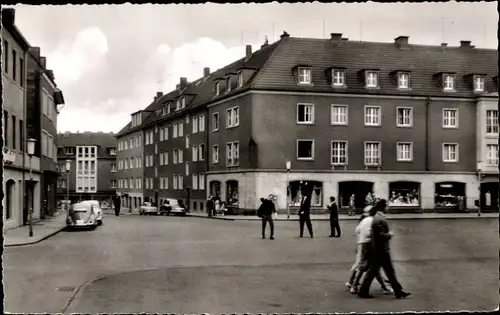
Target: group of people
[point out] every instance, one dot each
(215, 206)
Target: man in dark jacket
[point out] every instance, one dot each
(117, 203)
(265, 212)
(305, 215)
(380, 255)
(334, 218)
(210, 206)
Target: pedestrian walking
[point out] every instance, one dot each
(117, 203)
(380, 254)
(216, 207)
(334, 218)
(305, 215)
(363, 251)
(352, 205)
(210, 205)
(265, 212)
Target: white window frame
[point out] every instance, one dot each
(174, 182)
(232, 153)
(180, 178)
(492, 159)
(297, 150)
(404, 80)
(165, 158)
(181, 129)
(201, 122)
(201, 152)
(175, 157)
(232, 117)
(195, 124)
(338, 80)
(183, 102)
(446, 86)
(215, 154)
(457, 150)
(228, 84)
(187, 168)
(175, 131)
(187, 141)
(333, 115)
(367, 163)
(161, 158)
(217, 88)
(201, 179)
(400, 157)
(215, 121)
(180, 157)
(369, 123)
(371, 76)
(69, 151)
(304, 75)
(240, 79)
(195, 181)
(306, 106)
(410, 117)
(444, 118)
(194, 153)
(332, 152)
(161, 134)
(479, 83)
(490, 122)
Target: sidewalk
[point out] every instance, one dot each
(42, 229)
(326, 217)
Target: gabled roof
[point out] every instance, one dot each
(102, 139)
(422, 61)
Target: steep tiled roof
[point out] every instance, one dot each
(423, 62)
(86, 138)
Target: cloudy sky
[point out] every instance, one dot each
(111, 60)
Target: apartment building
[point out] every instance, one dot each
(93, 166)
(44, 99)
(129, 163)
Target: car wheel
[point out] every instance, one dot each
(99, 223)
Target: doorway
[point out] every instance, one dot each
(357, 188)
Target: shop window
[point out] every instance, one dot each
(10, 197)
(449, 194)
(404, 194)
(299, 188)
(360, 191)
(232, 195)
(489, 195)
(195, 204)
(215, 188)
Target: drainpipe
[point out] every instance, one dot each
(208, 156)
(25, 132)
(427, 145)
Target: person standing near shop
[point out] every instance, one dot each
(352, 205)
(210, 206)
(334, 218)
(305, 214)
(117, 203)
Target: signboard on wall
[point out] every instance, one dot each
(9, 157)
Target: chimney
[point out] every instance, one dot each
(158, 96)
(183, 83)
(285, 35)
(8, 16)
(43, 62)
(336, 37)
(401, 41)
(50, 74)
(465, 43)
(206, 72)
(248, 51)
(35, 51)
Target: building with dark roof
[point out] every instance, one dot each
(93, 166)
(337, 117)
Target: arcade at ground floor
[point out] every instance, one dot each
(131, 200)
(410, 191)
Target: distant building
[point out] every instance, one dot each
(93, 166)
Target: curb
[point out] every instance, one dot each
(37, 241)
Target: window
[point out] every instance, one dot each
(161, 182)
(217, 88)
(6, 123)
(305, 149)
(44, 144)
(180, 152)
(21, 137)
(339, 115)
(403, 80)
(228, 84)
(183, 102)
(305, 113)
(165, 131)
(165, 158)
(478, 83)
(21, 71)
(215, 121)
(371, 79)
(405, 117)
(195, 124)
(338, 77)
(131, 183)
(14, 132)
(175, 157)
(113, 167)
(180, 178)
(201, 152)
(166, 182)
(181, 129)
(372, 116)
(232, 154)
(339, 153)
(174, 133)
(372, 153)
(304, 76)
(450, 118)
(187, 142)
(492, 154)
(161, 134)
(232, 117)
(492, 121)
(215, 154)
(240, 79)
(450, 152)
(405, 151)
(195, 153)
(195, 181)
(178, 104)
(448, 82)
(112, 151)
(14, 65)
(6, 56)
(187, 168)
(202, 123)
(201, 178)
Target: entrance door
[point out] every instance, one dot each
(489, 196)
(357, 188)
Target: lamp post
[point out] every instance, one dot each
(288, 167)
(68, 168)
(30, 148)
(479, 169)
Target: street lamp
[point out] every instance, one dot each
(479, 169)
(68, 168)
(288, 194)
(30, 148)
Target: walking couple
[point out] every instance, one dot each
(373, 253)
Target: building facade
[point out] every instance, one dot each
(93, 166)
(43, 99)
(21, 187)
(331, 116)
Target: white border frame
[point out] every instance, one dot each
(489, 134)
(331, 115)
(457, 153)
(457, 118)
(298, 75)
(218, 121)
(231, 109)
(412, 114)
(411, 151)
(313, 149)
(453, 89)
(234, 165)
(346, 153)
(313, 114)
(345, 78)
(364, 116)
(218, 154)
(366, 79)
(379, 152)
(398, 77)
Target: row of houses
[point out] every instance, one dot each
(31, 103)
(415, 124)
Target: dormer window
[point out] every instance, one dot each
(112, 151)
(217, 88)
(448, 82)
(164, 110)
(304, 75)
(183, 102)
(169, 108)
(479, 83)
(338, 77)
(371, 79)
(240, 79)
(228, 82)
(403, 80)
(178, 104)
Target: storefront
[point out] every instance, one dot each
(489, 195)
(299, 187)
(215, 188)
(450, 195)
(358, 189)
(232, 193)
(404, 194)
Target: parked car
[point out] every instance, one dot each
(148, 209)
(173, 206)
(82, 215)
(97, 209)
